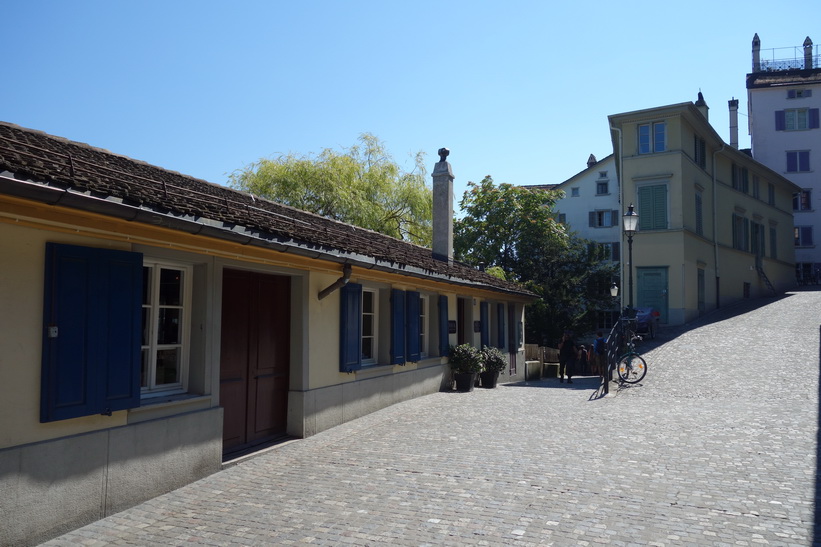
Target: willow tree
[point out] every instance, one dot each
(361, 185)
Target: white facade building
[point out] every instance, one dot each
(590, 206)
(784, 100)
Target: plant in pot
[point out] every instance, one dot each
(493, 362)
(466, 363)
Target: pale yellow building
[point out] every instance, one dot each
(715, 226)
(153, 324)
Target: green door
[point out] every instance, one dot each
(652, 289)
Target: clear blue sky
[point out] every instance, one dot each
(519, 90)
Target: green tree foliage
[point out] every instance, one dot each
(514, 229)
(361, 185)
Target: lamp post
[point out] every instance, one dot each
(631, 225)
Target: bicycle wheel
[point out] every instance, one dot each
(632, 368)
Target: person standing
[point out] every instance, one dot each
(568, 352)
(599, 353)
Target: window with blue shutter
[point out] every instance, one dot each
(350, 322)
(412, 326)
(398, 327)
(500, 321)
(484, 319)
(780, 120)
(444, 336)
(92, 328)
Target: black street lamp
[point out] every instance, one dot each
(631, 226)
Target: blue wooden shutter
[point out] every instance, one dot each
(398, 327)
(444, 341)
(591, 219)
(500, 321)
(485, 320)
(350, 327)
(412, 325)
(92, 328)
(792, 162)
(780, 120)
(806, 236)
(804, 161)
(615, 247)
(814, 118)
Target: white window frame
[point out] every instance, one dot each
(373, 336)
(652, 146)
(151, 331)
(796, 119)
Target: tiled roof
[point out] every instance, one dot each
(36, 158)
(783, 77)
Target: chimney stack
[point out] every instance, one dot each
(591, 161)
(756, 53)
(443, 208)
(808, 54)
(733, 104)
(701, 104)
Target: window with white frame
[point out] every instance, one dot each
(370, 322)
(803, 236)
(652, 137)
(574, 192)
(798, 161)
(603, 219)
(602, 188)
(166, 310)
(801, 201)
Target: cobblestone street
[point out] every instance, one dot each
(717, 446)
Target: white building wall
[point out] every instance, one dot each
(582, 197)
(770, 147)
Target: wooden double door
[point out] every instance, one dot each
(254, 357)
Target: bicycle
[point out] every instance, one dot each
(631, 367)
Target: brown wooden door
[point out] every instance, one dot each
(254, 357)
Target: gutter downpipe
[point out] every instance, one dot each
(715, 219)
(346, 276)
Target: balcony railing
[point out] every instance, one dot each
(780, 59)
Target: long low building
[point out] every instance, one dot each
(154, 324)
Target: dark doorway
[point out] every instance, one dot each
(254, 358)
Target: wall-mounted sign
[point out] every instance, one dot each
(451, 327)
(477, 326)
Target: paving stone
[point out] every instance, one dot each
(717, 446)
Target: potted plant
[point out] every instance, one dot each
(466, 363)
(493, 362)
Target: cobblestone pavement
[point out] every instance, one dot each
(716, 447)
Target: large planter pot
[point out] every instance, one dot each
(465, 380)
(489, 378)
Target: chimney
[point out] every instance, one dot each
(733, 104)
(591, 161)
(756, 53)
(701, 104)
(808, 54)
(443, 208)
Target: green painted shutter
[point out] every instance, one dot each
(500, 321)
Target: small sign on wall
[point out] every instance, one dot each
(477, 326)
(451, 327)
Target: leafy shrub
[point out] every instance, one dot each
(465, 358)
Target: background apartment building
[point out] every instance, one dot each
(784, 99)
(715, 225)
